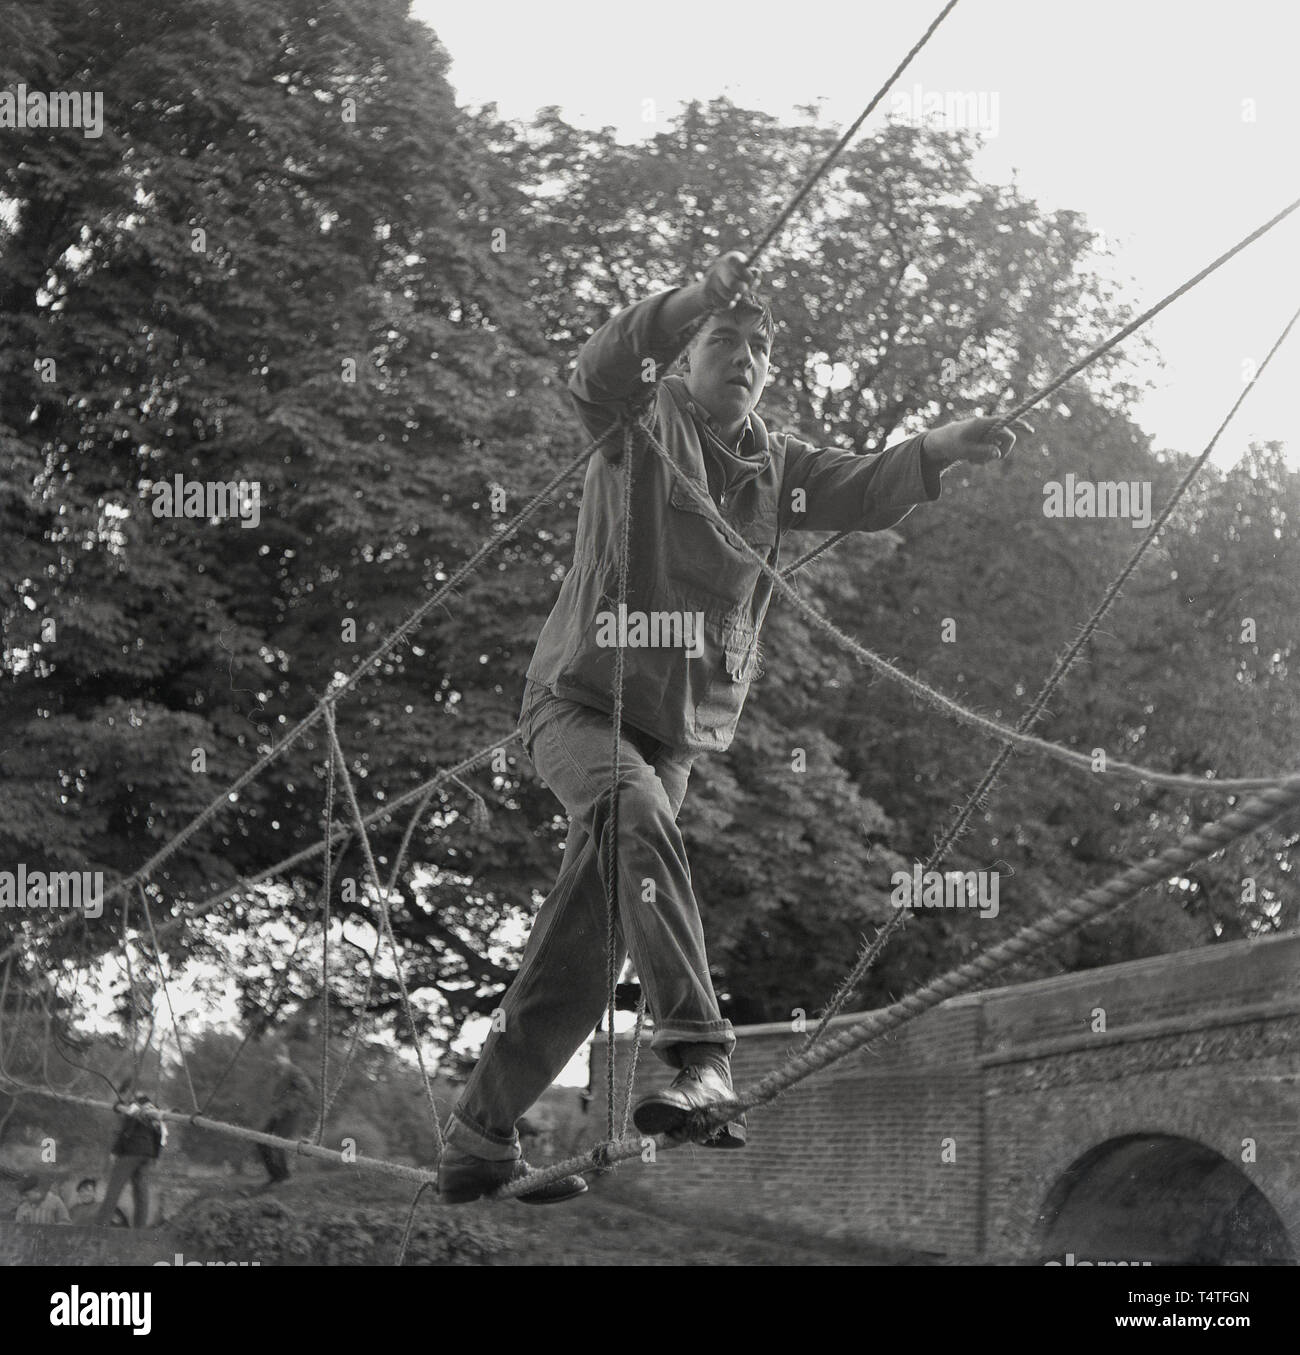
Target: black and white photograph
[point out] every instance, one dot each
(650, 636)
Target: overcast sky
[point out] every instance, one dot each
(1173, 125)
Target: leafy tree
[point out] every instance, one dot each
(276, 267)
(285, 199)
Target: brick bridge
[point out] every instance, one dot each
(1147, 1111)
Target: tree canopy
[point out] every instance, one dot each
(292, 259)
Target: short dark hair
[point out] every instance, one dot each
(745, 306)
(766, 324)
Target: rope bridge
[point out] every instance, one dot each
(1095, 903)
(1276, 794)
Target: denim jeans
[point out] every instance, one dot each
(557, 998)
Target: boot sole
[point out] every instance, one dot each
(570, 1194)
(656, 1117)
(726, 1139)
(468, 1194)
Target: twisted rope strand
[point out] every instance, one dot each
(326, 890)
(932, 696)
(612, 958)
(247, 882)
(489, 547)
(167, 995)
(797, 201)
(382, 893)
(394, 876)
(1055, 384)
(633, 1058)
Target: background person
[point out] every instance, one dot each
(86, 1209)
(39, 1205)
(292, 1107)
(139, 1144)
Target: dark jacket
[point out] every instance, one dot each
(138, 1136)
(678, 560)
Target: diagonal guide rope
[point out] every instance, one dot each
(167, 995)
(1038, 396)
(346, 778)
(797, 201)
(1095, 903)
(327, 886)
(872, 952)
(394, 876)
(937, 699)
(489, 547)
(612, 957)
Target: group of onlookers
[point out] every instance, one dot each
(139, 1142)
(39, 1203)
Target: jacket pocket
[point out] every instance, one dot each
(704, 557)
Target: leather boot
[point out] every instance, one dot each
(463, 1177)
(696, 1090)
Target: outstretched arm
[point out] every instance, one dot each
(833, 491)
(978, 441)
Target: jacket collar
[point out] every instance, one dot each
(753, 436)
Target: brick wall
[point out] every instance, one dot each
(1202, 1045)
(1199, 1045)
(855, 1151)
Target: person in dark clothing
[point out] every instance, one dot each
(139, 1143)
(690, 648)
(293, 1103)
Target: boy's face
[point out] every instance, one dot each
(34, 1195)
(85, 1194)
(728, 369)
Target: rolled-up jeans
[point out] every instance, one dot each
(562, 987)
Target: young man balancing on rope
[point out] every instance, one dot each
(689, 637)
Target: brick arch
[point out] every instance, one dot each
(1163, 1198)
